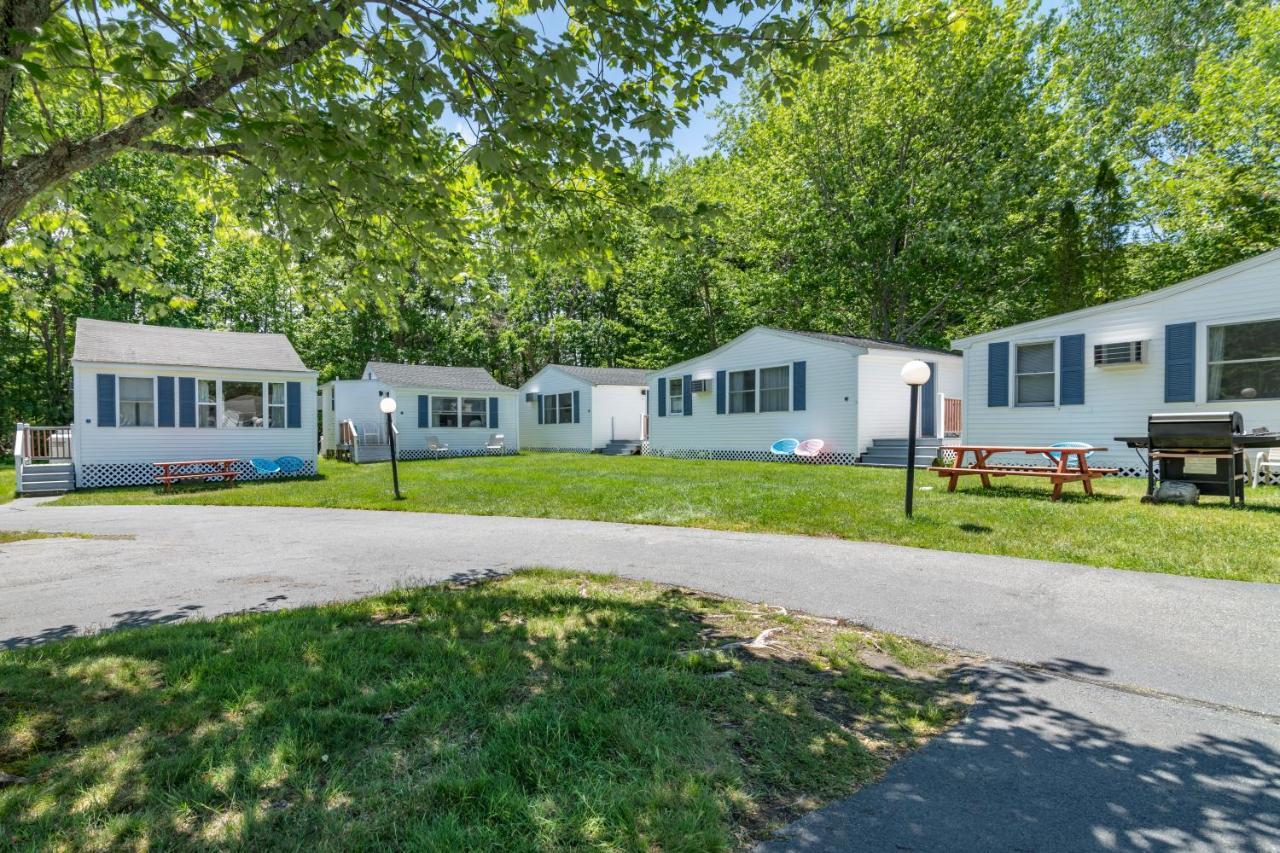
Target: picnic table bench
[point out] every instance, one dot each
(1061, 472)
(172, 472)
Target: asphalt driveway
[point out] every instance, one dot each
(1123, 710)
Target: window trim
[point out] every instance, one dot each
(457, 412)
(757, 390)
(1209, 363)
(155, 403)
(1053, 371)
(674, 382)
(217, 403)
(760, 388)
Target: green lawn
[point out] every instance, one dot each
(547, 710)
(1017, 518)
(8, 481)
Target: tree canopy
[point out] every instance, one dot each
(473, 183)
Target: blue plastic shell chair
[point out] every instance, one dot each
(264, 466)
(1053, 457)
(784, 446)
(290, 464)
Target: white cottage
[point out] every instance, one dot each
(1210, 343)
(767, 384)
(441, 411)
(583, 409)
(145, 394)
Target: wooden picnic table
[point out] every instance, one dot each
(172, 472)
(1060, 472)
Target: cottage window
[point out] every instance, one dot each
(444, 412)
(241, 404)
(207, 403)
(475, 411)
(549, 409)
(1244, 361)
(566, 407)
(1035, 377)
(775, 389)
(137, 402)
(275, 405)
(675, 393)
(742, 391)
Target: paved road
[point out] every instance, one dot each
(1144, 712)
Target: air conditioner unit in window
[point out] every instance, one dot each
(531, 397)
(1124, 352)
(700, 386)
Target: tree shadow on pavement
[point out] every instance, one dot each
(1051, 763)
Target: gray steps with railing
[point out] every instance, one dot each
(50, 478)
(621, 447)
(892, 452)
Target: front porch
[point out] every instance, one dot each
(43, 459)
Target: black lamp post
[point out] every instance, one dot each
(388, 406)
(915, 374)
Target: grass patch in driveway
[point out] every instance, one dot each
(542, 711)
(1015, 519)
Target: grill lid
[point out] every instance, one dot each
(1232, 418)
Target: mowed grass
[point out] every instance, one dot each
(1017, 518)
(8, 481)
(542, 711)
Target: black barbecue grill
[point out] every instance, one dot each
(1204, 448)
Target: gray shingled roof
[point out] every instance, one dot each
(134, 343)
(605, 375)
(863, 342)
(431, 376)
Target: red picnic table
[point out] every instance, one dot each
(171, 472)
(1060, 472)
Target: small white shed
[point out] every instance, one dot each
(145, 394)
(461, 409)
(1210, 343)
(767, 384)
(583, 409)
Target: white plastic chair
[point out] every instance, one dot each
(1266, 460)
(435, 445)
(497, 441)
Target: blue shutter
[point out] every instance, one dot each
(722, 378)
(186, 401)
(293, 405)
(164, 401)
(493, 413)
(106, 399)
(424, 411)
(929, 403)
(539, 408)
(688, 394)
(1071, 370)
(998, 374)
(1180, 363)
(797, 386)
(662, 397)
(577, 414)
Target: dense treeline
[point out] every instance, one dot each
(1003, 166)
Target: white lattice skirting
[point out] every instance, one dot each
(108, 474)
(752, 456)
(410, 455)
(559, 449)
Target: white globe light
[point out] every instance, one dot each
(915, 373)
(387, 405)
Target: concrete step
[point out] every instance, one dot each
(902, 442)
(57, 477)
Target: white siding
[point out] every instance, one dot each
(617, 411)
(96, 445)
(831, 398)
(884, 401)
(1119, 399)
(557, 436)
(412, 437)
